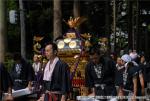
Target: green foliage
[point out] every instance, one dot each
(41, 21)
(11, 4)
(148, 27)
(8, 61)
(13, 30)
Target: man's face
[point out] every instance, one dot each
(122, 62)
(35, 58)
(49, 51)
(142, 59)
(119, 61)
(95, 58)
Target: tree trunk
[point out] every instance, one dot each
(57, 30)
(76, 11)
(107, 23)
(76, 8)
(134, 23)
(2, 29)
(114, 26)
(23, 33)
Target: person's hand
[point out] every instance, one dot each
(63, 98)
(92, 94)
(133, 98)
(8, 97)
(41, 98)
(30, 86)
(120, 94)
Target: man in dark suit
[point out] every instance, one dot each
(22, 73)
(56, 76)
(5, 83)
(100, 74)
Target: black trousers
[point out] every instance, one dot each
(47, 86)
(50, 96)
(106, 91)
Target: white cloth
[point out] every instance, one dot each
(134, 63)
(49, 69)
(18, 68)
(36, 67)
(133, 55)
(126, 58)
(130, 94)
(113, 99)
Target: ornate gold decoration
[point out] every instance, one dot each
(75, 22)
(37, 38)
(61, 44)
(104, 40)
(87, 37)
(71, 35)
(87, 43)
(67, 40)
(72, 44)
(37, 46)
(104, 44)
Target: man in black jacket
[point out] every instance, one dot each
(56, 76)
(22, 73)
(100, 74)
(5, 83)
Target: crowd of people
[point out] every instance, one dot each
(125, 75)
(54, 76)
